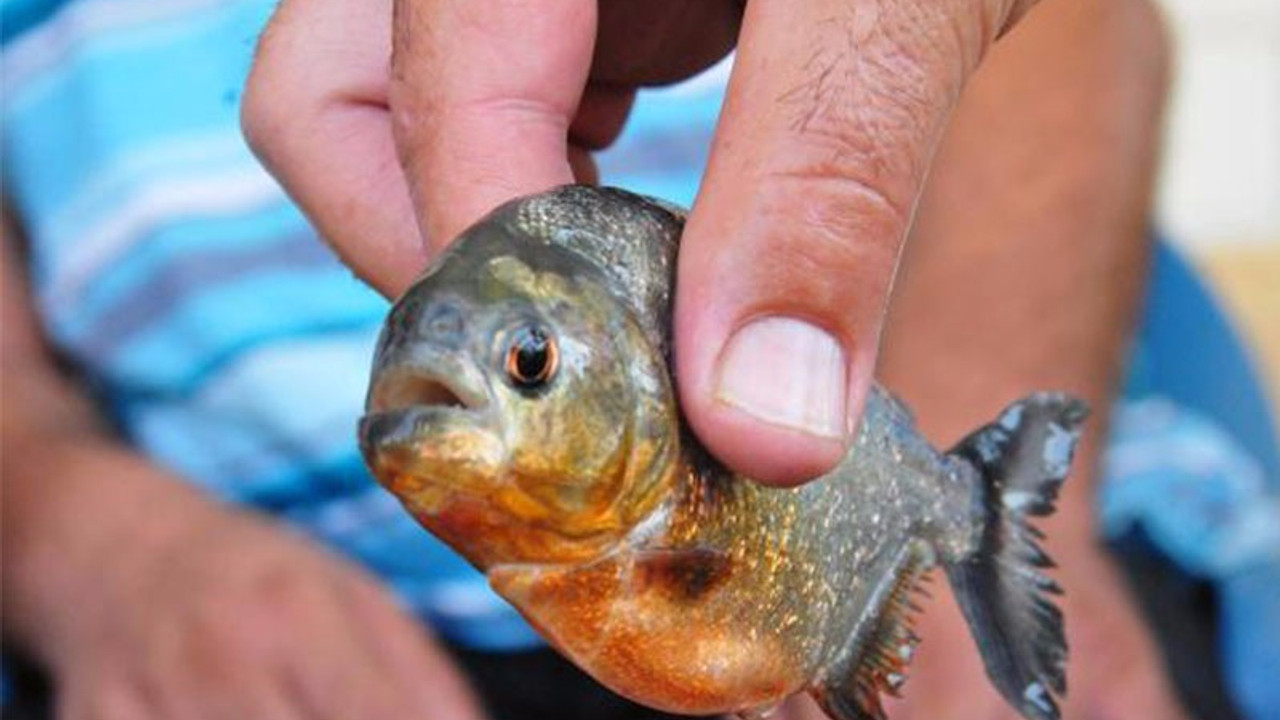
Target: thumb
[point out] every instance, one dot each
(832, 116)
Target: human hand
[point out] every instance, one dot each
(833, 113)
(232, 618)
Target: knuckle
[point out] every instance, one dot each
(238, 619)
(217, 628)
(263, 119)
(271, 105)
(829, 212)
(284, 591)
(271, 114)
(833, 243)
(257, 121)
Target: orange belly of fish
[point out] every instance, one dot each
(669, 655)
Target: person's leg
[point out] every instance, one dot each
(1023, 273)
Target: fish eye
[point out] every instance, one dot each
(532, 358)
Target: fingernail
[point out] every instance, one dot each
(785, 372)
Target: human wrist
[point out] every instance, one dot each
(89, 517)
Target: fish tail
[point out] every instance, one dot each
(1022, 459)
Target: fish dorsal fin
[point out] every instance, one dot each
(880, 665)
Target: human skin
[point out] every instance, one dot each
(146, 600)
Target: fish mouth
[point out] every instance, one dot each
(415, 389)
(412, 408)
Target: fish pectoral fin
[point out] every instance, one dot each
(522, 583)
(686, 574)
(879, 657)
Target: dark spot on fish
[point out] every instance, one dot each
(685, 574)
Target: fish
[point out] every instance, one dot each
(522, 408)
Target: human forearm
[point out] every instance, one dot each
(1028, 256)
(77, 505)
(1024, 271)
(77, 512)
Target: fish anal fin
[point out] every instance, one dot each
(880, 666)
(683, 574)
(854, 703)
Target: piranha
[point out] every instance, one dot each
(522, 409)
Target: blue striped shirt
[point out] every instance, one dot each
(222, 337)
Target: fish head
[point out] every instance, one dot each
(517, 408)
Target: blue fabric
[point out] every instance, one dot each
(1194, 460)
(1204, 501)
(225, 340)
(20, 15)
(1199, 495)
(1189, 351)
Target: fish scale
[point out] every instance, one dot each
(570, 478)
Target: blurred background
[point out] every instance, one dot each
(1220, 190)
(1193, 514)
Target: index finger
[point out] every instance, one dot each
(482, 96)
